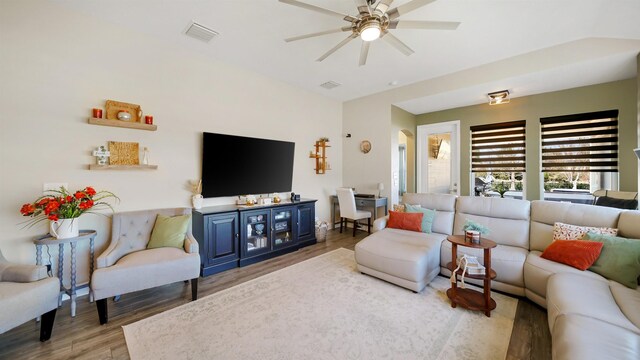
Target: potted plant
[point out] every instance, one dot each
(473, 230)
(63, 208)
(196, 190)
(500, 188)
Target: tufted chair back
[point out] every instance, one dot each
(131, 231)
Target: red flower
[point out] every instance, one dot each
(79, 195)
(43, 201)
(69, 198)
(90, 191)
(27, 209)
(85, 205)
(52, 206)
(53, 217)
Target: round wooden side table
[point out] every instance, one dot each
(467, 298)
(47, 239)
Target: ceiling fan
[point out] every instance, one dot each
(374, 20)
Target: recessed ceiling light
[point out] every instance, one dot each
(393, 83)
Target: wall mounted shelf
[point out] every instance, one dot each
(320, 155)
(123, 167)
(122, 124)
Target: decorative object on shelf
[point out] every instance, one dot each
(473, 230)
(124, 153)
(102, 155)
(145, 156)
(114, 108)
(250, 200)
(196, 190)
(365, 146)
(148, 119)
(380, 188)
(63, 208)
(97, 113)
(320, 155)
(259, 228)
(276, 199)
(124, 115)
(122, 124)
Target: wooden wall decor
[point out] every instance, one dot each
(124, 153)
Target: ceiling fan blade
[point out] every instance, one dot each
(428, 25)
(318, 9)
(335, 48)
(364, 52)
(363, 4)
(383, 6)
(396, 43)
(406, 8)
(320, 33)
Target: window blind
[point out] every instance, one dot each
(581, 142)
(499, 147)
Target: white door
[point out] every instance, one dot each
(438, 158)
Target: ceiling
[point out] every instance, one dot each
(251, 34)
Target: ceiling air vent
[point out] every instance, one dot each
(200, 32)
(330, 85)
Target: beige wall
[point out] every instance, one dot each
(56, 65)
(619, 95)
(406, 122)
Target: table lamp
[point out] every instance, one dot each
(380, 188)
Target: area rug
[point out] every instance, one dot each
(323, 308)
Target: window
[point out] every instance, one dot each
(498, 160)
(579, 155)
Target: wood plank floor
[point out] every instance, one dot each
(83, 338)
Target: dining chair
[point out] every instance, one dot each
(348, 211)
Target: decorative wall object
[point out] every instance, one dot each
(102, 155)
(116, 107)
(365, 146)
(124, 153)
(320, 154)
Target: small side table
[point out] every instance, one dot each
(467, 298)
(47, 240)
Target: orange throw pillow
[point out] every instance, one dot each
(580, 254)
(405, 221)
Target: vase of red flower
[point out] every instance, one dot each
(63, 209)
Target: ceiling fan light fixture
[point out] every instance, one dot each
(370, 30)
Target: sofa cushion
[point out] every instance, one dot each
(507, 261)
(581, 337)
(427, 216)
(628, 300)
(408, 255)
(619, 260)
(538, 270)
(139, 270)
(545, 213)
(21, 302)
(579, 254)
(169, 231)
(405, 221)
(443, 204)
(581, 295)
(507, 219)
(563, 231)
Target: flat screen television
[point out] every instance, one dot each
(237, 165)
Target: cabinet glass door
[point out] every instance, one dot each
(283, 227)
(256, 238)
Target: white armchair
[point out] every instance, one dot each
(27, 292)
(127, 265)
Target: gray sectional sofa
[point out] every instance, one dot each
(590, 317)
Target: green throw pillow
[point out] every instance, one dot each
(619, 259)
(169, 231)
(427, 216)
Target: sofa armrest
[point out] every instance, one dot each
(191, 245)
(380, 224)
(108, 257)
(23, 273)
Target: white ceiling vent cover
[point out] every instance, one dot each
(330, 85)
(200, 32)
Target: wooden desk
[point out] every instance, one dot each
(47, 240)
(362, 203)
